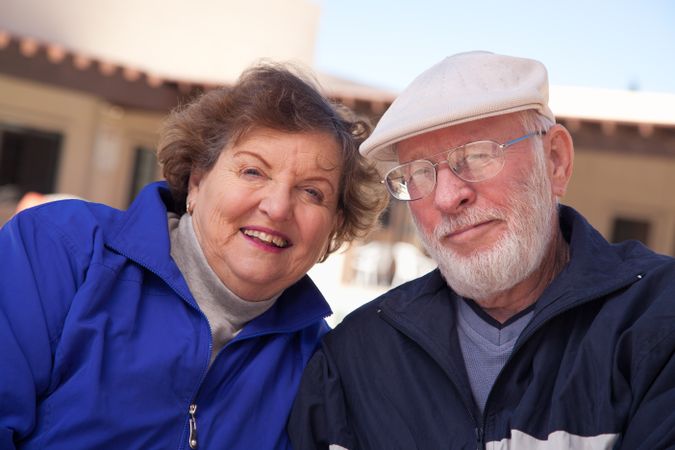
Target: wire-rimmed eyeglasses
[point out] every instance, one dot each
(474, 161)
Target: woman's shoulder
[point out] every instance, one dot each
(67, 217)
(71, 228)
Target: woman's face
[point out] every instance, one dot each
(264, 213)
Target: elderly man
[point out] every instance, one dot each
(534, 332)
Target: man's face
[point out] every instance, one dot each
(485, 236)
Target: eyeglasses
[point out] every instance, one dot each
(475, 161)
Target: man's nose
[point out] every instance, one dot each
(452, 194)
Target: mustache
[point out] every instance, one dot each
(468, 218)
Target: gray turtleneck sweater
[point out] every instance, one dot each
(226, 312)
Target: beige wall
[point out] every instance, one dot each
(31, 105)
(99, 139)
(606, 185)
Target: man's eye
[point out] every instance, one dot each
(477, 160)
(458, 164)
(423, 172)
(477, 156)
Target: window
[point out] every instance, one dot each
(625, 229)
(145, 169)
(29, 159)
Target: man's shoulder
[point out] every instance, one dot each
(651, 268)
(594, 258)
(636, 252)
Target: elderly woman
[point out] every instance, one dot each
(186, 321)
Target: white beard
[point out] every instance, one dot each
(486, 272)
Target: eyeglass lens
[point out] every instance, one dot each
(475, 161)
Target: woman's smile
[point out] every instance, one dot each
(268, 239)
(265, 212)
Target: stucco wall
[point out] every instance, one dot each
(99, 139)
(199, 40)
(608, 185)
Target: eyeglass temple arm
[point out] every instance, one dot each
(522, 138)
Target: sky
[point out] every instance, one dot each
(616, 44)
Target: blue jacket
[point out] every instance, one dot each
(595, 367)
(102, 346)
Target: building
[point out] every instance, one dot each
(84, 87)
(624, 170)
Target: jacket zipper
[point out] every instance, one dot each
(192, 438)
(479, 425)
(479, 438)
(192, 410)
(192, 419)
(531, 330)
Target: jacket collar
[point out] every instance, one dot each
(596, 268)
(424, 308)
(142, 234)
(300, 305)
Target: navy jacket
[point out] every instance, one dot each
(102, 346)
(595, 367)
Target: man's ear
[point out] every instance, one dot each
(560, 158)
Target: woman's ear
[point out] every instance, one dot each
(338, 224)
(560, 158)
(194, 181)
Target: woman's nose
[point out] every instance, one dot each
(277, 203)
(451, 193)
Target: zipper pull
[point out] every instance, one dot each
(192, 439)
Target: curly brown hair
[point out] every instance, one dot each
(281, 98)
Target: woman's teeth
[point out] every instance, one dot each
(267, 238)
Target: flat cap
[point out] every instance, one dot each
(461, 88)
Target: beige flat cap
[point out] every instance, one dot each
(460, 88)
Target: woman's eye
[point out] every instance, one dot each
(316, 194)
(251, 171)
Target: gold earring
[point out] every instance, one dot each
(188, 206)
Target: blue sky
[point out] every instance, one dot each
(606, 44)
